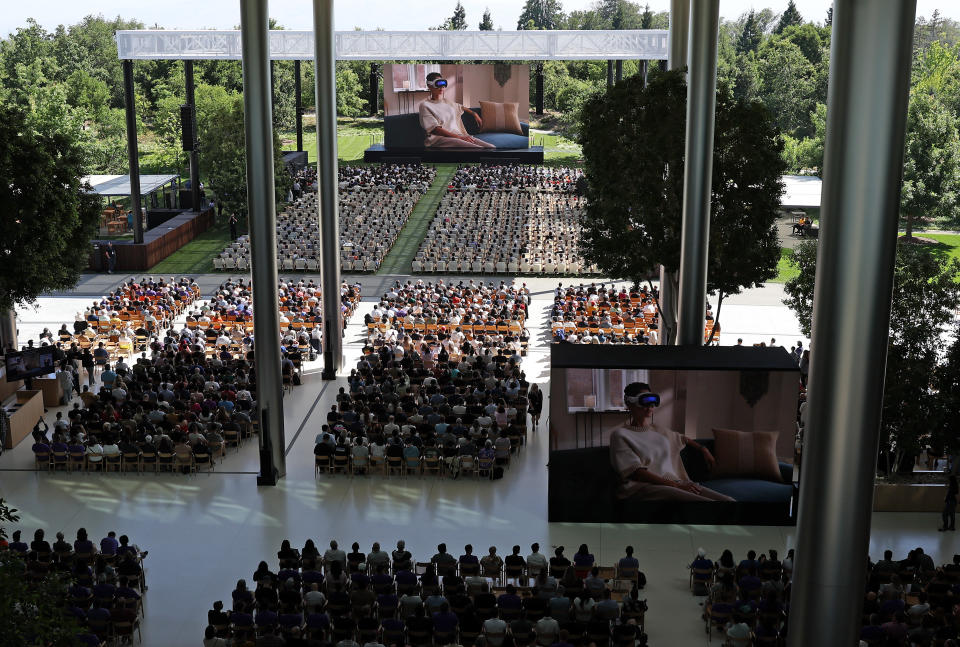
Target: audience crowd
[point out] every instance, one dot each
(100, 587)
(380, 598)
(374, 204)
(598, 314)
(517, 219)
(512, 177)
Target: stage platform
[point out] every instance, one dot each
(531, 155)
(158, 243)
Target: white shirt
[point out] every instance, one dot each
(443, 114)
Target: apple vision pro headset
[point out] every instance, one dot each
(643, 400)
(437, 83)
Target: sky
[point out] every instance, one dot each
(366, 14)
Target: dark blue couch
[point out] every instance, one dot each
(403, 132)
(583, 488)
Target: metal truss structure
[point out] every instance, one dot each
(534, 45)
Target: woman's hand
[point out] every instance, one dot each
(688, 486)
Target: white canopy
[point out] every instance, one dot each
(118, 185)
(801, 192)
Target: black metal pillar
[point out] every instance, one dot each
(194, 157)
(870, 59)
(133, 154)
(609, 73)
(297, 81)
(618, 71)
(540, 88)
(374, 89)
(644, 67)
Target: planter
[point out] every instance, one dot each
(908, 497)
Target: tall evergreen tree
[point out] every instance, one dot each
(789, 17)
(829, 21)
(486, 24)
(751, 35)
(646, 18)
(458, 21)
(541, 14)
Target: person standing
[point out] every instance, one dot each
(110, 255)
(233, 226)
(535, 404)
(950, 505)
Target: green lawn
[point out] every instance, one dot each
(196, 257)
(947, 247)
(786, 269)
(353, 137)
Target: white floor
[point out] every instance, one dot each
(205, 532)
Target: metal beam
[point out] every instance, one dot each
(133, 153)
(326, 90)
(298, 94)
(618, 71)
(261, 209)
(698, 170)
(870, 58)
(374, 87)
(539, 85)
(194, 157)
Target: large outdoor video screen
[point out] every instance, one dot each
(453, 106)
(672, 435)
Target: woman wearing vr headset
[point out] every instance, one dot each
(646, 456)
(441, 119)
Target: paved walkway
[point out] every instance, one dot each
(413, 233)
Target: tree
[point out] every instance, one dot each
(646, 18)
(787, 83)
(807, 152)
(349, 101)
(633, 146)
(925, 296)
(799, 289)
(456, 22)
(788, 18)
(828, 22)
(544, 14)
(486, 24)
(931, 164)
(220, 126)
(48, 217)
(751, 34)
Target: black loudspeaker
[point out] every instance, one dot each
(188, 127)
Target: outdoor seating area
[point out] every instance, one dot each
(597, 314)
(497, 220)
(374, 206)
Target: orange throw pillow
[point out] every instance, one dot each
(500, 117)
(746, 453)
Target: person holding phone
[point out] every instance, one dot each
(441, 119)
(646, 456)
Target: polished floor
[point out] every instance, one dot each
(204, 532)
